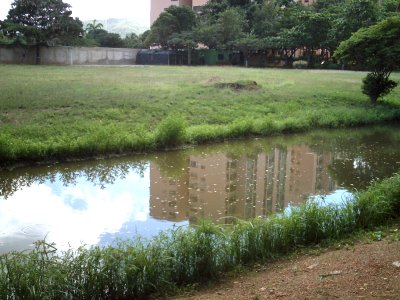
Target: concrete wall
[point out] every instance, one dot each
(17, 55)
(70, 55)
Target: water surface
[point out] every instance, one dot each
(97, 202)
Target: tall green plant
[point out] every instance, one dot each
(171, 131)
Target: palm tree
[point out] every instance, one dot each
(93, 26)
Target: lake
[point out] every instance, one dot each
(99, 202)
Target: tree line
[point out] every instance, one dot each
(244, 25)
(284, 26)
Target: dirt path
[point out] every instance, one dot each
(365, 270)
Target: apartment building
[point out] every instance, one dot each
(307, 2)
(158, 6)
(222, 187)
(197, 4)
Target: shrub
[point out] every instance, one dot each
(376, 85)
(171, 131)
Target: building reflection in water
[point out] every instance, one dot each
(221, 187)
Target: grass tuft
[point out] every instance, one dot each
(171, 132)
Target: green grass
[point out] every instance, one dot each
(185, 256)
(58, 112)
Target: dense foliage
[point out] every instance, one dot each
(286, 26)
(40, 22)
(377, 49)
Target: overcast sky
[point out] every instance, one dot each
(138, 10)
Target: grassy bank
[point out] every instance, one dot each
(188, 255)
(52, 112)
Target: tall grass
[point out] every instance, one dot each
(173, 259)
(171, 132)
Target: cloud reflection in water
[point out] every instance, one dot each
(73, 215)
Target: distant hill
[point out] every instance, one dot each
(120, 26)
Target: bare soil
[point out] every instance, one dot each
(238, 86)
(365, 269)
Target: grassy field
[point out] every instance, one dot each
(188, 255)
(57, 112)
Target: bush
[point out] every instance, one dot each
(300, 64)
(376, 85)
(171, 132)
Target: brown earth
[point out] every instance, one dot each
(364, 269)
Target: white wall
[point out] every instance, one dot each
(70, 55)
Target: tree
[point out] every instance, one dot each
(312, 34)
(266, 19)
(390, 7)
(173, 20)
(93, 26)
(104, 38)
(223, 31)
(185, 17)
(183, 40)
(162, 29)
(214, 7)
(207, 34)
(135, 41)
(354, 14)
(239, 2)
(377, 49)
(247, 44)
(3, 39)
(42, 23)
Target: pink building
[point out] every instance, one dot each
(307, 2)
(197, 4)
(158, 6)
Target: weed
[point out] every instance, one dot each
(171, 132)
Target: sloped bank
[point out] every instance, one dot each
(173, 133)
(58, 113)
(136, 269)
